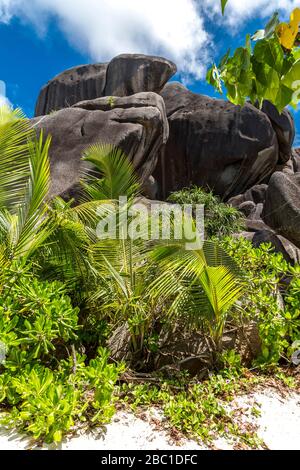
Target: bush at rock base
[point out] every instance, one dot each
(220, 219)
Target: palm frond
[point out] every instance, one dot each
(66, 253)
(32, 227)
(201, 285)
(115, 175)
(15, 131)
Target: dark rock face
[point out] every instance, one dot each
(284, 127)
(296, 160)
(258, 232)
(125, 75)
(85, 82)
(290, 252)
(130, 74)
(282, 206)
(215, 144)
(256, 194)
(248, 208)
(136, 124)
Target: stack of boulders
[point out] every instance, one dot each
(176, 138)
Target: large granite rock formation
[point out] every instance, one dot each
(296, 160)
(273, 214)
(125, 75)
(284, 126)
(215, 144)
(282, 206)
(85, 82)
(136, 124)
(130, 74)
(180, 138)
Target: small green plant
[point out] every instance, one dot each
(47, 403)
(198, 410)
(111, 101)
(35, 316)
(220, 218)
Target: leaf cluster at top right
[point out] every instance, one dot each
(266, 68)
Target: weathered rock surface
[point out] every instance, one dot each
(125, 75)
(287, 168)
(256, 194)
(282, 206)
(85, 82)
(296, 160)
(215, 144)
(290, 252)
(258, 232)
(284, 126)
(136, 124)
(129, 74)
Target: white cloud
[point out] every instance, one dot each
(240, 11)
(105, 28)
(3, 98)
(4, 101)
(173, 28)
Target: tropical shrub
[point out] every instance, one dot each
(48, 403)
(47, 385)
(269, 70)
(271, 299)
(220, 218)
(35, 316)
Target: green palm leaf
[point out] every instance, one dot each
(14, 168)
(31, 227)
(115, 175)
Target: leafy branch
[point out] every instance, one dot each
(266, 68)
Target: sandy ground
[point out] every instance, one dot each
(276, 417)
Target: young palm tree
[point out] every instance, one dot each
(24, 185)
(31, 225)
(202, 284)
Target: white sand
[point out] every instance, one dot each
(278, 426)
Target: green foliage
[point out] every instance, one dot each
(115, 175)
(220, 219)
(48, 396)
(35, 316)
(265, 71)
(272, 297)
(126, 268)
(49, 403)
(202, 285)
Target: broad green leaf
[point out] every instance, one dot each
(270, 52)
(284, 97)
(292, 78)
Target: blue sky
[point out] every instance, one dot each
(49, 36)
